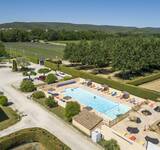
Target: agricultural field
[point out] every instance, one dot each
(153, 85)
(36, 49)
(63, 43)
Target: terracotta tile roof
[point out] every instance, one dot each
(87, 119)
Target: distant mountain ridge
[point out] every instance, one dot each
(78, 27)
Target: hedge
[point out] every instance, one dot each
(49, 141)
(145, 79)
(137, 91)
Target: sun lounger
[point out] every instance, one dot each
(114, 93)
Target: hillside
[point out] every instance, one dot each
(70, 26)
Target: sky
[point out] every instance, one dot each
(139, 13)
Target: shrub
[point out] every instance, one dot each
(110, 144)
(38, 95)
(71, 109)
(43, 71)
(50, 102)
(25, 73)
(3, 100)
(27, 86)
(33, 73)
(51, 78)
(14, 66)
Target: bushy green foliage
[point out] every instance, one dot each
(3, 100)
(128, 54)
(25, 136)
(71, 109)
(136, 54)
(43, 71)
(38, 95)
(27, 86)
(50, 102)
(93, 53)
(14, 66)
(29, 74)
(51, 78)
(2, 50)
(110, 144)
(144, 93)
(25, 73)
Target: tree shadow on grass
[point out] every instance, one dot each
(3, 116)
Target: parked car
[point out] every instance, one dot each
(42, 78)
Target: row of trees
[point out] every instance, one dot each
(94, 53)
(21, 35)
(127, 54)
(15, 35)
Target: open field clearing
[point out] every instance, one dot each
(154, 85)
(36, 49)
(64, 43)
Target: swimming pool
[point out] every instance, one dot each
(100, 104)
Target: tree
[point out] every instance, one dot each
(44, 71)
(58, 62)
(51, 78)
(50, 102)
(71, 109)
(38, 95)
(111, 145)
(14, 66)
(3, 100)
(3, 52)
(27, 86)
(22, 62)
(29, 74)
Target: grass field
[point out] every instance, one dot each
(69, 41)
(36, 49)
(153, 85)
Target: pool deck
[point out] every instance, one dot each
(143, 127)
(121, 126)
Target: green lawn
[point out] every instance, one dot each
(36, 49)
(8, 117)
(58, 111)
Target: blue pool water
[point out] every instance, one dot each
(99, 103)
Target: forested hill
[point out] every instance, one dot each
(78, 27)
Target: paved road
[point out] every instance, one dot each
(37, 116)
